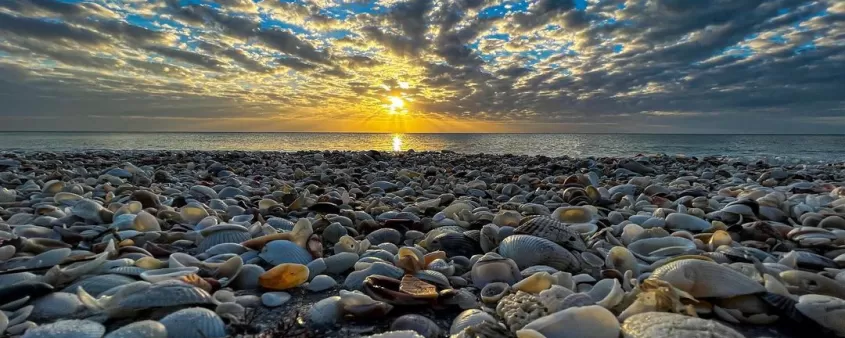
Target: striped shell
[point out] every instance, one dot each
(553, 230)
(703, 279)
(281, 251)
(223, 248)
(142, 329)
(469, 318)
(665, 325)
(194, 323)
(163, 295)
(223, 236)
(455, 244)
(438, 279)
(528, 250)
(133, 271)
(98, 284)
(68, 329)
(56, 305)
(158, 275)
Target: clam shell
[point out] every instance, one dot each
(535, 283)
(665, 325)
(434, 277)
(572, 214)
(470, 318)
(224, 236)
(654, 249)
(681, 221)
(158, 275)
(281, 251)
(57, 305)
(326, 312)
(487, 238)
(576, 322)
(703, 279)
(827, 311)
(340, 262)
(355, 280)
(274, 299)
(96, 285)
(247, 279)
(142, 329)
(321, 283)
(528, 250)
(194, 323)
(67, 328)
(49, 258)
(554, 231)
(284, 276)
(454, 244)
(607, 293)
(163, 294)
(316, 267)
(492, 268)
(419, 324)
(385, 235)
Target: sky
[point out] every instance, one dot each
(632, 66)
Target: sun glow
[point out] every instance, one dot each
(397, 105)
(397, 142)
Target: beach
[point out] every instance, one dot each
(412, 243)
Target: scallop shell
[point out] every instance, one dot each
(528, 250)
(666, 325)
(654, 249)
(340, 262)
(454, 244)
(194, 323)
(162, 294)
(469, 318)
(326, 311)
(158, 275)
(67, 328)
(554, 231)
(588, 321)
(703, 279)
(96, 285)
(419, 324)
(279, 252)
(223, 236)
(142, 329)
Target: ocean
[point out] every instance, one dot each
(774, 148)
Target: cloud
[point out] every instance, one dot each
(665, 65)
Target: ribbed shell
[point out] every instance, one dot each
(385, 235)
(158, 275)
(194, 323)
(455, 244)
(56, 305)
(224, 248)
(528, 250)
(97, 284)
(163, 295)
(142, 329)
(280, 223)
(703, 279)
(224, 236)
(470, 318)
(665, 325)
(419, 324)
(133, 271)
(67, 329)
(355, 280)
(281, 251)
(434, 277)
(555, 231)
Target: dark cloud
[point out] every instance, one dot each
(186, 56)
(48, 30)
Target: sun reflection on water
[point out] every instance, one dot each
(397, 142)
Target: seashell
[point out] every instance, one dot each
(194, 323)
(487, 238)
(507, 218)
(95, 285)
(423, 326)
(224, 296)
(492, 268)
(231, 311)
(227, 271)
(535, 283)
(142, 329)
(355, 280)
(553, 298)
(146, 296)
(275, 299)
(334, 232)
(454, 244)
(493, 292)
(90, 211)
(442, 267)
(6, 252)
(607, 293)
(385, 235)
(67, 328)
(555, 231)
(827, 311)
(196, 280)
(346, 244)
(326, 311)
(49, 258)
(469, 318)
(284, 276)
(176, 260)
(665, 325)
(803, 282)
(193, 213)
(592, 260)
(144, 221)
(417, 288)
(55, 306)
(528, 250)
(576, 322)
(703, 279)
(340, 262)
(680, 221)
(572, 214)
(281, 251)
(321, 283)
(223, 236)
(158, 275)
(434, 277)
(247, 279)
(654, 249)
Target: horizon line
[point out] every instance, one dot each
(411, 133)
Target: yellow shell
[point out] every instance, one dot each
(417, 288)
(150, 263)
(284, 276)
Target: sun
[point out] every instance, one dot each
(396, 105)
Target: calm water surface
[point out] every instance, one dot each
(804, 148)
